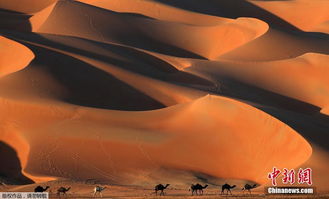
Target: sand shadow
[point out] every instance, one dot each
(133, 60)
(10, 167)
(303, 117)
(11, 20)
(239, 8)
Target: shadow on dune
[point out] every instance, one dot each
(239, 8)
(270, 47)
(123, 57)
(312, 127)
(254, 95)
(87, 85)
(305, 118)
(14, 21)
(10, 167)
(127, 31)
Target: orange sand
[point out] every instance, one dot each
(140, 92)
(9, 52)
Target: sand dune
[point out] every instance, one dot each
(128, 92)
(141, 76)
(77, 19)
(303, 78)
(300, 17)
(272, 46)
(159, 11)
(148, 139)
(25, 6)
(9, 52)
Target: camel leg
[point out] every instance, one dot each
(100, 193)
(230, 192)
(156, 192)
(249, 191)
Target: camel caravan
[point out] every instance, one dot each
(195, 189)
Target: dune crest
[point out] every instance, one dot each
(180, 39)
(25, 6)
(40, 17)
(151, 138)
(9, 52)
(303, 78)
(303, 14)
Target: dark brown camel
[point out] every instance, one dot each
(228, 188)
(62, 190)
(196, 188)
(40, 189)
(161, 188)
(248, 187)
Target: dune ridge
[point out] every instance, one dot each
(180, 39)
(160, 129)
(318, 9)
(302, 78)
(8, 56)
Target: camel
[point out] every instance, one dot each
(196, 188)
(62, 190)
(160, 187)
(98, 189)
(248, 187)
(228, 188)
(41, 189)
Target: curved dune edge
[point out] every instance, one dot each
(158, 11)
(9, 53)
(271, 47)
(323, 27)
(25, 6)
(306, 15)
(197, 39)
(11, 134)
(58, 134)
(325, 110)
(40, 17)
(166, 93)
(303, 78)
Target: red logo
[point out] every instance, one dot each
(289, 176)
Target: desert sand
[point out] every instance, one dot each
(133, 93)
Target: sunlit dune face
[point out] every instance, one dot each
(306, 16)
(9, 53)
(228, 139)
(303, 78)
(25, 6)
(187, 40)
